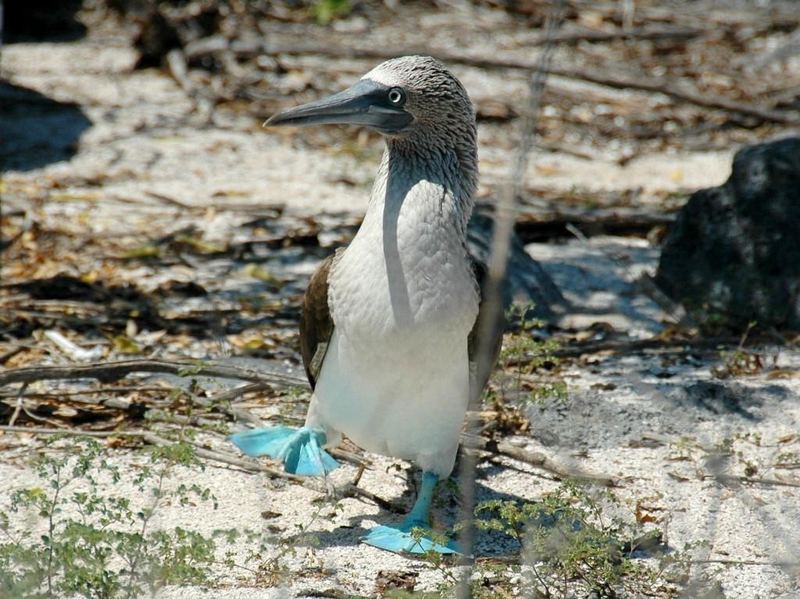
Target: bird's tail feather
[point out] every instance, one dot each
(300, 450)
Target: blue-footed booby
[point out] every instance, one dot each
(389, 324)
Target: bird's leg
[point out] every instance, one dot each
(413, 535)
(420, 514)
(300, 450)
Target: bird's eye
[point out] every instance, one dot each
(397, 96)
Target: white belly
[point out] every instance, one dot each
(406, 400)
(403, 299)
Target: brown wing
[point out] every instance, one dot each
(484, 369)
(316, 324)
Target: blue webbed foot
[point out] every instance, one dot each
(300, 450)
(414, 533)
(405, 539)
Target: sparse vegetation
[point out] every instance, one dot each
(572, 547)
(514, 387)
(743, 362)
(574, 542)
(76, 535)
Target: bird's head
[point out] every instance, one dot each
(401, 98)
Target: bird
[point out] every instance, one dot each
(388, 330)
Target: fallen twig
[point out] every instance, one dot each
(539, 460)
(204, 103)
(68, 431)
(172, 201)
(243, 48)
(727, 479)
(18, 406)
(112, 371)
(11, 353)
(346, 490)
(613, 80)
(237, 392)
(746, 562)
(102, 390)
(546, 224)
(494, 448)
(575, 351)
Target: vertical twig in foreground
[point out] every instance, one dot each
(492, 290)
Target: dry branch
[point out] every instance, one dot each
(732, 479)
(113, 371)
(539, 460)
(347, 490)
(68, 431)
(544, 224)
(616, 347)
(607, 79)
(246, 48)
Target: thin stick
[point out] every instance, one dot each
(539, 460)
(347, 490)
(68, 431)
(172, 201)
(746, 562)
(574, 351)
(238, 392)
(113, 371)
(245, 49)
(613, 80)
(18, 407)
(728, 479)
(100, 391)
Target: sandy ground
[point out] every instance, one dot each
(653, 420)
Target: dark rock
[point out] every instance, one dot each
(733, 255)
(157, 36)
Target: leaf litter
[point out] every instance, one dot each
(206, 280)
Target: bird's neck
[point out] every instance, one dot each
(410, 172)
(407, 266)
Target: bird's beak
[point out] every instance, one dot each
(366, 103)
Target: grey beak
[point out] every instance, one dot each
(366, 103)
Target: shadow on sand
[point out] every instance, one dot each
(36, 130)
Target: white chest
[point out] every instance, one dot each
(403, 299)
(406, 271)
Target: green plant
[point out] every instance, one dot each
(522, 354)
(325, 11)
(738, 363)
(571, 546)
(742, 362)
(526, 353)
(521, 348)
(92, 543)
